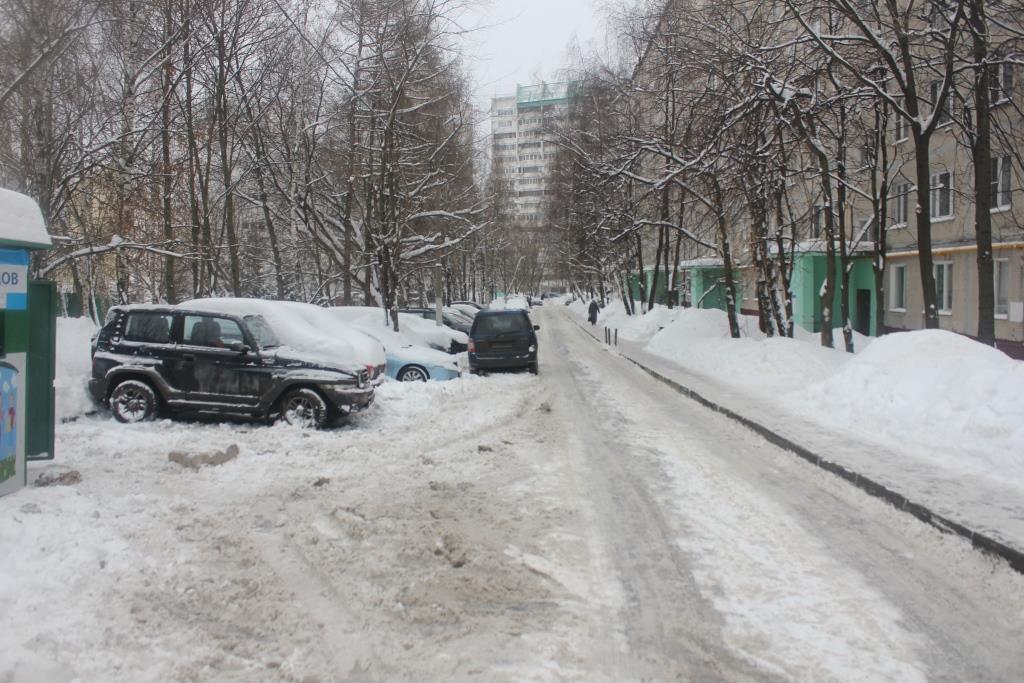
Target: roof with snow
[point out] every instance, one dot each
(707, 262)
(21, 221)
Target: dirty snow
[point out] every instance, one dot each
(586, 525)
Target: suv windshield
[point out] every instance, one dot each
(500, 324)
(265, 337)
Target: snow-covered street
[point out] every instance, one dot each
(589, 524)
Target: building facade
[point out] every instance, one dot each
(949, 197)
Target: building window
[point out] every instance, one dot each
(898, 289)
(900, 205)
(900, 126)
(944, 287)
(946, 115)
(942, 195)
(1000, 83)
(1001, 183)
(1001, 272)
(817, 220)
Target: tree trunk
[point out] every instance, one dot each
(981, 154)
(922, 173)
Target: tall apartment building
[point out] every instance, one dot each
(522, 145)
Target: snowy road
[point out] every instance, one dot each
(591, 525)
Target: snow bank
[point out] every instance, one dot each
(936, 391)
(961, 399)
(699, 339)
(74, 367)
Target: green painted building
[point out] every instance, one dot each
(806, 282)
(702, 284)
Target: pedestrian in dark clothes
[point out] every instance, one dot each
(593, 311)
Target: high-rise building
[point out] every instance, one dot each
(523, 128)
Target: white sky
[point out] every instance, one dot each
(521, 39)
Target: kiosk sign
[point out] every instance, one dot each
(13, 280)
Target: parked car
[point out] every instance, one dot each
(469, 304)
(466, 309)
(449, 316)
(502, 339)
(409, 357)
(152, 359)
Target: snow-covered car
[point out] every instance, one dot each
(309, 332)
(451, 317)
(204, 359)
(511, 302)
(467, 308)
(409, 357)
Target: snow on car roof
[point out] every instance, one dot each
(304, 327)
(415, 329)
(409, 343)
(21, 221)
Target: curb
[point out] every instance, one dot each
(986, 544)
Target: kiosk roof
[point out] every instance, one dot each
(21, 221)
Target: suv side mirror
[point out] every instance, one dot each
(239, 347)
(536, 327)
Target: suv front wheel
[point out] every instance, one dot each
(305, 408)
(133, 401)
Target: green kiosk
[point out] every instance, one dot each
(27, 343)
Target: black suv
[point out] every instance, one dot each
(148, 358)
(503, 339)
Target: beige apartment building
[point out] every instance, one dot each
(950, 197)
(954, 249)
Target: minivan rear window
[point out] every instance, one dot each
(500, 324)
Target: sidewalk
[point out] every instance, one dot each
(988, 514)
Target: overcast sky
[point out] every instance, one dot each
(523, 38)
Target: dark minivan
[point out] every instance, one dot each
(147, 359)
(503, 340)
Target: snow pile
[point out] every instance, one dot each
(938, 392)
(74, 367)
(699, 339)
(935, 389)
(310, 330)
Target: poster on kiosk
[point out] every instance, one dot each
(21, 229)
(12, 446)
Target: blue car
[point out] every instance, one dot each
(418, 364)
